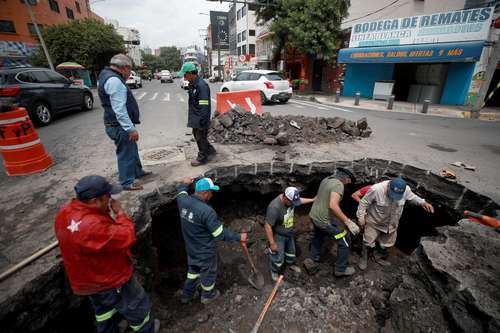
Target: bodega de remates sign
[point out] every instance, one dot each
(462, 25)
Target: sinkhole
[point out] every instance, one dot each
(241, 204)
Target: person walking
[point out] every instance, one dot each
(378, 214)
(330, 221)
(121, 114)
(201, 229)
(279, 229)
(95, 248)
(199, 112)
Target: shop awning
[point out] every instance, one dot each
(442, 52)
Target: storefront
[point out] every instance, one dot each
(422, 57)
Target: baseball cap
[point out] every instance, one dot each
(292, 194)
(186, 67)
(397, 187)
(205, 184)
(348, 173)
(94, 186)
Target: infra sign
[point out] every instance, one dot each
(454, 26)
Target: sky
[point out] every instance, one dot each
(160, 22)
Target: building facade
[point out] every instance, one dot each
(132, 40)
(246, 29)
(18, 38)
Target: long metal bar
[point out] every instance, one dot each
(32, 17)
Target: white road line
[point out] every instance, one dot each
(154, 96)
(167, 97)
(297, 106)
(310, 105)
(322, 107)
(141, 96)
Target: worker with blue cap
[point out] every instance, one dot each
(379, 212)
(201, 229)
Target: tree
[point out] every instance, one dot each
(171, 56)
(87, 42)
(309, 26)
(153, 62)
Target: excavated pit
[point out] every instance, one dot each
(368, 301)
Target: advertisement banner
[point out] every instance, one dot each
(454, 26)
(220, 30)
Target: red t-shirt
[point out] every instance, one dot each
(365, 190)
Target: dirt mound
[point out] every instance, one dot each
(240, 126)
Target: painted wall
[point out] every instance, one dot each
(457, 83)
(362, 77)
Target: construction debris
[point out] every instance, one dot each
(237, 127)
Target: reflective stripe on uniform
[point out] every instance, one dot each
(105, 316)
(208, 288)
(290, 254)
(193, 276)
(217, 231)
(203, 102)
(138, 327)
(341, 235)
(363, 200)
(182, 193)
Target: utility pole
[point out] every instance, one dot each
(218, 54)
(29, 3)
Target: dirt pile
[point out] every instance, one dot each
(239, 126)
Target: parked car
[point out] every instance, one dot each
(184, 84)
(44, 93)
(273, 86)
(134, 80)
(165, 76)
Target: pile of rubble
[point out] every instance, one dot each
(239, 126)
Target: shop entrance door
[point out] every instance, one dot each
(317, 75)
(416, 82)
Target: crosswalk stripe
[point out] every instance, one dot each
(297, 106)
(141, 96)
(154, 96)
(310, 105)
(322, 107)
(167, 97)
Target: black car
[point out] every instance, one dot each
(43, 92)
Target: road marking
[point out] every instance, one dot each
(322, 107)
(167, 97)
(154, 96)
(142, 95)
(310, 105)
(297, 106)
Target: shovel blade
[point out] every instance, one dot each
(256, 280)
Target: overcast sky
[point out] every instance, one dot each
(160, 22)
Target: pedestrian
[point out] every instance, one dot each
(279, 230)
(201, 229)
(359, 194)
(121, 114)
(329, 221)
(199, 112)
(379, 212)
(95, 248)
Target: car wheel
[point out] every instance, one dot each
(283, 101)
(263, 98)
(225, 90)
(42, 113)
(88, 102)
(140, 85)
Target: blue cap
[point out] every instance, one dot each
(94, 186)
(397, 187)
(205, 184)
(292, 194)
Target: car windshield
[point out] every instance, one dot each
(275, 77)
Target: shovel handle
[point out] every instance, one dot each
(256, 327)
(245, 249)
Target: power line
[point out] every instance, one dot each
(374, 12)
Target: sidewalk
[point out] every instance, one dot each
(407, 107)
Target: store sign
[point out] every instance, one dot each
(220, 30)
(447, 52)
(454, 26)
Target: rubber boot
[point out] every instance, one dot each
(380, 256)
(363, 261)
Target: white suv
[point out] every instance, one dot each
(134, 80)
(272, 85)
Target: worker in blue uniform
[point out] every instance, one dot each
(201, 229)
(199, 112)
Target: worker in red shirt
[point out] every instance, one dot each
(95, 248)
(359, 194)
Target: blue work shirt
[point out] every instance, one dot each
(117, 92)
(201, 227)
(199, 104)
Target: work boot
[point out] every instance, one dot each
(187, 300)
(311, 266)
(208, 300)
(348, 272)
(198, 162)
(363, 261)
(380, 256)
(295, 268)
(274, 276)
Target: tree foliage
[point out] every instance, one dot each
(309, 26)
(171, 56)
(87, 42)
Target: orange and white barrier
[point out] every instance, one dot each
(20, 146)
(248, 99)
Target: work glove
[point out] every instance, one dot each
(361, 221)
(353, 227)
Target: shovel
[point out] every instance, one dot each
(255, 278)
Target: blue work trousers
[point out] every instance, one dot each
(203, 275)
(335, 232)
(127, 153)
(285, 253)
(131, 301)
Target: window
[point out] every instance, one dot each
(275, 76)
(251, 49)
(243, 35)
(238, 14)
(39, 77)
(251, 32)
(7, 26)
(54, 6)
(70, 14)
(32, 30)
(253, 76)
(55, 77)
(252, 7)
(243, 77)
(239, 50)
(244, 49)
(239, 37)
(243, 11)
(78, 7)
(25, 77)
